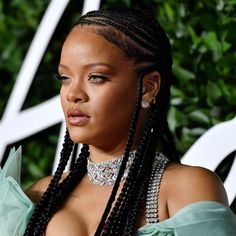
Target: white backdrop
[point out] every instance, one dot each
(208, 151)
(31, 120)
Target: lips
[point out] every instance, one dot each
(76, 117)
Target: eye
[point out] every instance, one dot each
(97, 78)
(61, 77)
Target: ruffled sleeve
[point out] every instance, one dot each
(15, 207)
(197, 219)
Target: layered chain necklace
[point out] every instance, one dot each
(106, 172)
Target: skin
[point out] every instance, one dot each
(86, 59)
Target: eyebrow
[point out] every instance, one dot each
(62, 66)
(91, 65)
(100, 64)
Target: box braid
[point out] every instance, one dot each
(65, 188)
(48, 204)
(137, 190)
(149, 48)
(48, 195)
(125, 159)
(134, 190)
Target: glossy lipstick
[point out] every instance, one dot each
(76, 117)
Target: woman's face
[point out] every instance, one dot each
(99, 89)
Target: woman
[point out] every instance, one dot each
(115, 70)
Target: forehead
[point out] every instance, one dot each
(84, 41)
(84, 47)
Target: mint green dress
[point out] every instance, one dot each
(15, 207)
(197, 219)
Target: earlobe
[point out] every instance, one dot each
(151, 86)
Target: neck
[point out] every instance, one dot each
(100, 154)
(111, 150)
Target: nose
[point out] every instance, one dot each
(76, 93)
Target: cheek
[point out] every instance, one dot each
(115, 104)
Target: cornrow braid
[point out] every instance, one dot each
(108, 17)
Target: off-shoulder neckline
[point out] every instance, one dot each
(191, 206)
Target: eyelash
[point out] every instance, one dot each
(61, 77)
(101, 78)
(91, 77)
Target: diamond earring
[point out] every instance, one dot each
(154, 100)
(145, 104)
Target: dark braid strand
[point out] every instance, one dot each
(120, 198)
(65, 188)
(74, 154)
(125, 159)
(40, 207)
(143, 173)
(136, 177)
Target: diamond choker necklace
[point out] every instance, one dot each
(105, 173)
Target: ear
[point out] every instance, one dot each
(151, 86)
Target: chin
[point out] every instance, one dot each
(78, 137)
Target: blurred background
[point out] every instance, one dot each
(202, 34)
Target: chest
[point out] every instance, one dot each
(81, 212)
(80, 215)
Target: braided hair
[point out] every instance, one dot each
(141, 39)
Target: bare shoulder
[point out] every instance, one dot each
(35, 191)
(189, 184)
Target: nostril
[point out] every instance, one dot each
(76, 93)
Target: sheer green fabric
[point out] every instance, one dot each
(15, 207)
(197, 219)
